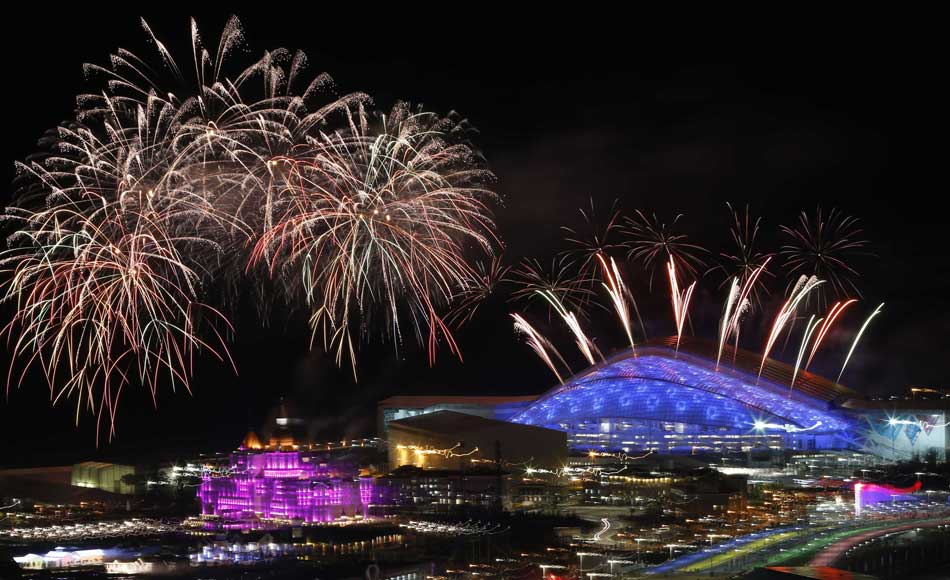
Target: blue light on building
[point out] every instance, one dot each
(668, 401)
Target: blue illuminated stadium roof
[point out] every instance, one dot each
(659, 384)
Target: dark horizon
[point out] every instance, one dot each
(664, 125)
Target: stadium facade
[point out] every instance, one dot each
(673, 400)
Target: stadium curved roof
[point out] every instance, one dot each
(660, 384)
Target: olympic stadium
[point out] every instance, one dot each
(676, 400)
(672, 401)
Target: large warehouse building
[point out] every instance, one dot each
(678, 401)
(448, 439)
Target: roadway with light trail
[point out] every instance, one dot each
(796, 544)
(725, 551)
(837, 550)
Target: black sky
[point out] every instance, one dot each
(658, 117)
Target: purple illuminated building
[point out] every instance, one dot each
(284, 484)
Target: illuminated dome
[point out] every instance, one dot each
(667, 401)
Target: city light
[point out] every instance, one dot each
(648, 383)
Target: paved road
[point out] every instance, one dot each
(834, 552)
(779, 546)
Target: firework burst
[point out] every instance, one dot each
(654, 243)
(226, 132)
(112, 239)
(596, 239)
(823, 245)
(488, 276)
(744, 258)
(171, 177)
(534, 281)
(100, 307)
(377, 224)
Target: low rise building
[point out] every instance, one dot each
(451, 440)
(442, 489)
(109, 477)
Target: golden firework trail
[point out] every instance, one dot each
(584, 344)
(618, 296)
(539, 344)
(806, 337)
(857, 338)
(725, 325)
(737, 302)
(680, 300)
(785, 313)
(830, 318)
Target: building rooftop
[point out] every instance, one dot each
(656, 383)
(776, 371)
(418, 401)
(441, 422)
(411, 471)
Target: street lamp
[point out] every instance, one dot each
(613, 562)
(546, 567)
(638, 540)
(581, 556)
(671, 546)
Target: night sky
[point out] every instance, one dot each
(664, 121)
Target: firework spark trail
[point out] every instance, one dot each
(726, 323)
(806, 337)
(680, 301)
(622, 455)
(584, 344)
(857, 338)
(539, 344)
(786, 312)
(748, 288)
(830, 318)
(737, 303)
(618, 296)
